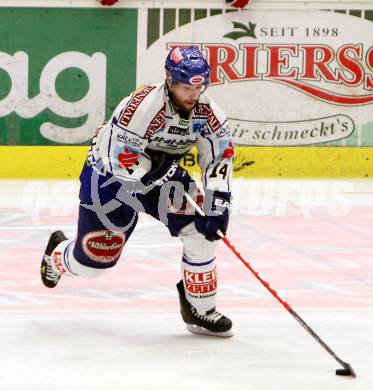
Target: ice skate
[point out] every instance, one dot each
(49, 275)
(212, 323)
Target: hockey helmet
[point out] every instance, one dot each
(187, 65)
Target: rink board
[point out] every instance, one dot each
(266, 162)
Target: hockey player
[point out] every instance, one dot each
(133, 166)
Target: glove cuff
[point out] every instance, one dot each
(216, 202)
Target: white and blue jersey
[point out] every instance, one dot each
(147, 122)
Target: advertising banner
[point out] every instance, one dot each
(62, 71)
(284, 77)
(296, 84)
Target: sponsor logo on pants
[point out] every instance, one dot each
(103, 246)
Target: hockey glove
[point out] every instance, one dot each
(174, 173)
(216, 207)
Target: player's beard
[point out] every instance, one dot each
(185, 105)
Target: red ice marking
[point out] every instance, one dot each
(324, 263)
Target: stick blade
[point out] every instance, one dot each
(346, 371)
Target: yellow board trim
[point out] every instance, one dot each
(42, 162)
(64, 162)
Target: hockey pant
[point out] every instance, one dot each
(108, 216)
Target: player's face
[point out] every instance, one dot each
(185, 96)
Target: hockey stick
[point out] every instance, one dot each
(347, 369)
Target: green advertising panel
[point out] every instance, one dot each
(62, 71)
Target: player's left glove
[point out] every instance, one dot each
(216, 206)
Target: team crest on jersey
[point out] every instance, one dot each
(137, 98)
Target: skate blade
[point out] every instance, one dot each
(203, 331)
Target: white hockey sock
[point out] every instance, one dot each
(198, 269)
(200, 284)
(63, 261)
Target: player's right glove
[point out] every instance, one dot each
(164, 169)
(174, 174)
(216, 206)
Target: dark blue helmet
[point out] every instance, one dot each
(187, 65)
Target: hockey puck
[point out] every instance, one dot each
(342, 372)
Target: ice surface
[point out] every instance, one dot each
(312, 240)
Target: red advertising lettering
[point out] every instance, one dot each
(222, 58)
(314, 69)
(369, 78)
(350, 64)
(250, 61)
(317, 59)
(279, 60)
